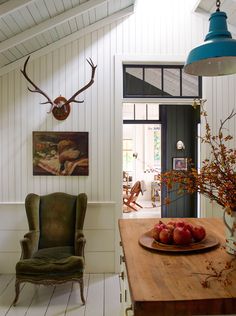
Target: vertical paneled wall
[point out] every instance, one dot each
(161, 28)
(221, 100)
(61, 72)
(99, 230)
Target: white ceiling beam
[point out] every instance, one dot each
(12, 5)
(49, 24)
(196, 5)
(70, 38)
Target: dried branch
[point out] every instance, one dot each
(218, 273)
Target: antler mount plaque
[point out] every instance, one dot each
(60, 107)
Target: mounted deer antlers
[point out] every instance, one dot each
(60, 107)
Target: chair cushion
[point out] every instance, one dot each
(51, 261)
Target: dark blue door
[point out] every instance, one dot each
(179, 123)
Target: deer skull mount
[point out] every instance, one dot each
(60, 107)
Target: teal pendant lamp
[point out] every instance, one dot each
(217, 55)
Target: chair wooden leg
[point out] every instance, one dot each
(81, 285)
(17, 289)
(138, 204)
(128, 204)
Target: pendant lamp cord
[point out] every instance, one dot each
(217, 5)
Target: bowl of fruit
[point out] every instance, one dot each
(178, 232)
(179, 235)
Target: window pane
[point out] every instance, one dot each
(128, 161)
(157, 147)
(152, 81)
(127, 144)
(134, 81)
(153, 111)
(172, 82)
(128, 111)
(140, 111)
(189, 85)
(127, 154)
(152, 148)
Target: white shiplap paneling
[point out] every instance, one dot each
(99, 230)
(153, 30)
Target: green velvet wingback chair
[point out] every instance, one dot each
(53, 249)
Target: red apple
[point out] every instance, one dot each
(180, 224)
(198, 233)
(157, 229)
(189, 226)
(161, 224)
(155, 233)
(173, 223)
(170, 227)
(182, 236)
(165, 236)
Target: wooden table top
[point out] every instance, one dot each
(166, 284)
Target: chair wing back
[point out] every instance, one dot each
(56, 216)
(32, 203)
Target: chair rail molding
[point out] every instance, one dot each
(91, 203)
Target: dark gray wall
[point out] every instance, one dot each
(179, 122)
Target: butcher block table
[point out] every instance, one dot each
(169, 283)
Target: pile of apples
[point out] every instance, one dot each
(178, 232)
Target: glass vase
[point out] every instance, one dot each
(230, 223)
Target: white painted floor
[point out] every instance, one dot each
(102, 294)
(146, 212)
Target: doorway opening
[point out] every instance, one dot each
(141, 159)
(150, 146)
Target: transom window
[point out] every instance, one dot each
(160, 81)
(140, 112)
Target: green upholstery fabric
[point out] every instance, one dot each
(52, 261)
(53, 249)
(57, 220)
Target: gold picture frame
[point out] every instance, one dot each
(60, 153)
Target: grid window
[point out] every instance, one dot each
(160, 81)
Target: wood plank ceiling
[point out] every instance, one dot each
(228, 6)
(27, 26)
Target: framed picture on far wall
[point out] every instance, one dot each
(180, 163)
(60, 153)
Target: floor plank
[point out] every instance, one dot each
(5, 280)
(95, 295)
(41, 300)
(26, 296)
(101, 292)
(59, 300)
(112, 305)
(7, 297)
(75, 307)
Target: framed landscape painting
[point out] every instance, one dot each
(60, 153)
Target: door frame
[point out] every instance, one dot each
(116, 188)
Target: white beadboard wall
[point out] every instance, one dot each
(163, 29)
(99, 230)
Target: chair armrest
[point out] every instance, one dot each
(29, 244)
(79, 243)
